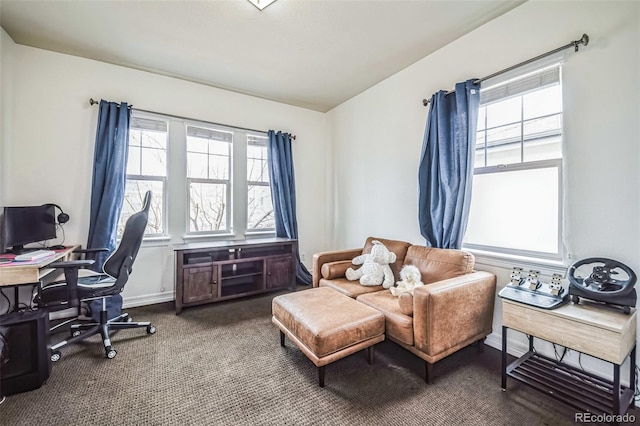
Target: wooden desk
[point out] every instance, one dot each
(18, 273)
(593, 330)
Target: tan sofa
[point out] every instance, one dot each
(451, 311)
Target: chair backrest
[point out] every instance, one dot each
(131, 240)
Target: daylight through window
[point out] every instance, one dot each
(207, 179)
(146, 170)
(516, 203)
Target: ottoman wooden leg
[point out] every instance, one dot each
(321, 376)
(370, 354)
(281, 338)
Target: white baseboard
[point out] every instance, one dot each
(147, 299)
(495, 341)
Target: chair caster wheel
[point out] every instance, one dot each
(55, 356)
(111, 353)
(75, 333)
(151, 329)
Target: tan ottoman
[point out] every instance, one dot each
(326, 325)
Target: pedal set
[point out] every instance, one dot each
(531, 291)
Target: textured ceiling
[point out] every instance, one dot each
(312, 53)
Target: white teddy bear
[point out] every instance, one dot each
(411, 278)
(375, 268)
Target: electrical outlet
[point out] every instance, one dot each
(303, 256)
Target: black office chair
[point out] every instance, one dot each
(76, 289)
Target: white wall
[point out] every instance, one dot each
(54, 131)
(7, 47)
(376, 136)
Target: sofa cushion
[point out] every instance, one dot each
(333, 270)
(398, 247)
(405, 302)
(352, 289)
(439, 264)
(397, 325)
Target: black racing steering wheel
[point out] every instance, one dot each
(601, 279)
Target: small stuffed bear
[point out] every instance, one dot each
(411, 278)
(375, 268)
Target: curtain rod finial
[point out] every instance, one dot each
(584, 40)
(92, 102)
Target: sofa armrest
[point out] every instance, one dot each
(451, 312)
(320, 259)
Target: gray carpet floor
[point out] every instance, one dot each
(222, 364)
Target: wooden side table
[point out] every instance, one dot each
(593, 330)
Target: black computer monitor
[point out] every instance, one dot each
(24, 225)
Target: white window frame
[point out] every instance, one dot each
(532, 165)
(258, 183)
(491, 251)
(175, 197)
(153, 178)
(227, 182)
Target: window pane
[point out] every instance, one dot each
(219, 148)
(133, 161)
(515, 210)
(197, 145)
(542, 102)
(152, 139)
(504, 112)
(543, 149)
(482, 114)
(196, 165)
(154, 162)
(257, 163)
(257, 170)
(509, 153)
(207, 206)
(479, 154)
(255, 151)
(504, 145)
(218, 167)
(207, 158)
(134, 137)
(260, 208)
(133, 197)
(544, 126)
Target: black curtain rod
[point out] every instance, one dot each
(584, 40)
(93, 102)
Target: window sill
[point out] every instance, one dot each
(210, 237)
(156, 241)
(259, 234)
(508, 261)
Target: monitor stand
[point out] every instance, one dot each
(20, 249)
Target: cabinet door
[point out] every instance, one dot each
(279, 272)
(200, 283)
